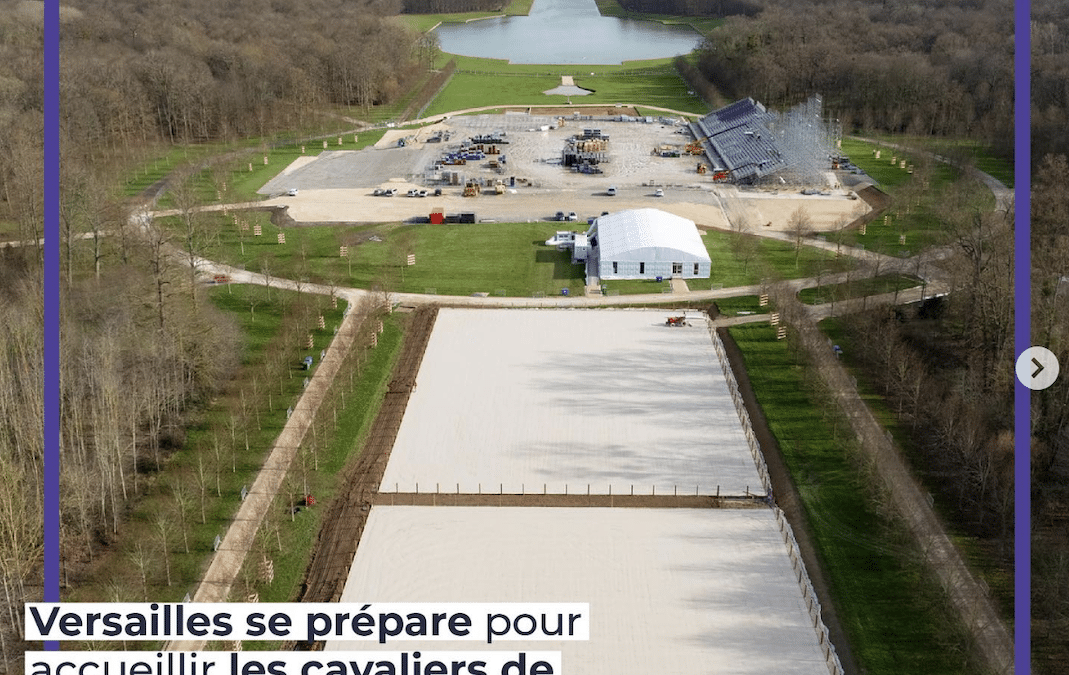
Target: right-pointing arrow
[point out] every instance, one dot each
(1039, 368)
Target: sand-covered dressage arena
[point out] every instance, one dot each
(570, 401)
(670, 590)
(337, 186)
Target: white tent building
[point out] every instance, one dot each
(646, 244)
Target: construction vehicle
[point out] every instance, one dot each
(676, 321)
(472, 189)
(499, 188)
(701, 168)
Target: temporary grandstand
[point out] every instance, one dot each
(751, 144)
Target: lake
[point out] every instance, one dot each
(565, 32)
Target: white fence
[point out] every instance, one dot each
(740, 408)
(809, 596)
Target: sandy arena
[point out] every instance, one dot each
(670, 590)
(570, 402)
(337, 186)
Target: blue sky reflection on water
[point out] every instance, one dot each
(564, 32)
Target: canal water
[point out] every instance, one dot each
(565, 32)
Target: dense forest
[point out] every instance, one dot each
(930, 68)
(1050, 327)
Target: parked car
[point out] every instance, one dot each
(560, 216)
(292, 192)
(611, 191)
(572, 216)
(658, 193)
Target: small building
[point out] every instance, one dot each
(646, 244)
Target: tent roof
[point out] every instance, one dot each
(649, 234)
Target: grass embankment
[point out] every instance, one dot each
(167, 159)
(194, 495)
(998, 579)
(482, 82)
(960, 150)
(893, 612)
(917, 199)
(855, 289)
(741, 305)
(233, 181)
(701, 24)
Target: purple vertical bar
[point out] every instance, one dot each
(51, 306)
(1022, 338)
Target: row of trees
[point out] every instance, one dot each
(714, 8)
(924, 68)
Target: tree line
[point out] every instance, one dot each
(929, 68)
(713, 8)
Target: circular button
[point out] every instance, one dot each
(1037, 368)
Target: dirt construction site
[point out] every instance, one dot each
(529, 164)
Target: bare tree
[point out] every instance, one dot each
(800, 226)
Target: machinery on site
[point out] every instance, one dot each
(676, 321)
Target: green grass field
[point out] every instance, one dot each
(891, 609)
(461, 259)
(856, 289)
(771, 260)
(635, 286)
(917, 200)
(968, 152)
(497, 258)
(997, 578)
(475, 85)
(741, 306)
(232, 181)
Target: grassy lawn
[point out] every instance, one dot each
(997, 578)
(221, 451)
(653, 85)
(891, 609)
(741, 305)
(635, 286)
(456, 259)
(461, 259)
(916, 200)
(233, 182)
(959, 149)
(869, 286)
(699, 23)
(771, 259)
(171, 157)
